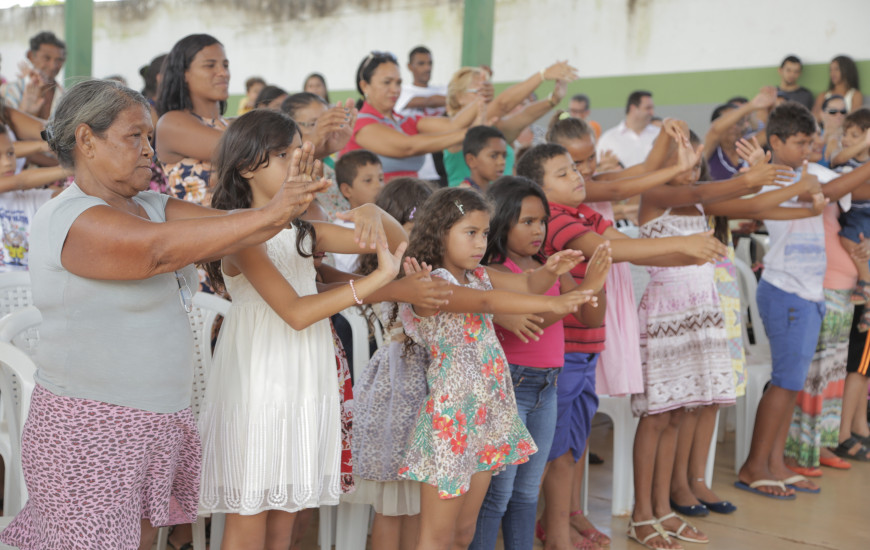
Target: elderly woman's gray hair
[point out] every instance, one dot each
(96, 103)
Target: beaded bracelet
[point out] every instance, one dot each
(355, 297)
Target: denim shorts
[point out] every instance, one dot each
(792, 325)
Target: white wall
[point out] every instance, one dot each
(601, 37)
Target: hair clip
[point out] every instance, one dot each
(459, 206)
(411, 215)
(564, 115)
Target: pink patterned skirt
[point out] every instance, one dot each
(95, 470)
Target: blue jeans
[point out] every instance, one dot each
(512, 498)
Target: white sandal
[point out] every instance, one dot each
(679, 533)
(659, 532)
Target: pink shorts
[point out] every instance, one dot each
(95, 470)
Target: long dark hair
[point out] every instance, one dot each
(174, 95)
(848, 72)
(433, 221)
(245, 147)
(367, 68)
(506, 195)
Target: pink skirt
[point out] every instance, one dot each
(619, 369)
(95, 470)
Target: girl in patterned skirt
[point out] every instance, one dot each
(684, 343)
(468, 427)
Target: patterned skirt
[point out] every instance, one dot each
(95, 470)
(816, 420)
(683, 343)
(729, 300)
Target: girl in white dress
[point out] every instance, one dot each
(270, 419)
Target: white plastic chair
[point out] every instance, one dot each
(14, 291)
(16, 384)
(13, 329)
(206, 308)
(624, 426)
(758, 363)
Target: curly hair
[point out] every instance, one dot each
(245, 147)
(434, 219)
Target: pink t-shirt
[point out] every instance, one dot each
(841, 273)
(546, 353)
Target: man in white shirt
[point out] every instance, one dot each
(37, 92)
(632, 140)
(421, 99)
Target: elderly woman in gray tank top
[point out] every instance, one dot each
(110, 448)
(401, 142)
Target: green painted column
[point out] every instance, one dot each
(79, 37)
(477, 32)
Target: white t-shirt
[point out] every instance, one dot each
(409, 92)
(631, 148)
(796, 261)
(16, 211)
(345, 262)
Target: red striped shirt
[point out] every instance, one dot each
(567, 223)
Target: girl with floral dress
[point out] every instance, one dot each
(468, 427)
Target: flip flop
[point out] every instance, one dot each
(753, 488)
(834, 462)
(790, 483)
(592, 534)
(807, 472)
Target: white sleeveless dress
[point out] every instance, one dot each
(270, 419)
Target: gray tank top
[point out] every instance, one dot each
(122, 342)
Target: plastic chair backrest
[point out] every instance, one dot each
(748, 288)
(14, 291)
(206, 308)
(16, 383)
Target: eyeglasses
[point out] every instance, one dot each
(184, 293)
(837, 112)
(311, 124)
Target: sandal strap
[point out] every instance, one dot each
(632, 523)
(659, 532)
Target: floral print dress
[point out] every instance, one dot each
(469, 421)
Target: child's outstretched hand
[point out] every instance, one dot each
(421, 289)
(677, 129)
(570, 302)
(563, 261)
(764, 174)
(525, 326)
(368, 226)
(608, 161)
(819, 203)
(705, 247)
(751, 151)
(298, 190)
(598, 268)
(334, 128)
(688, 156)
(389, 262)
(809, 181)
